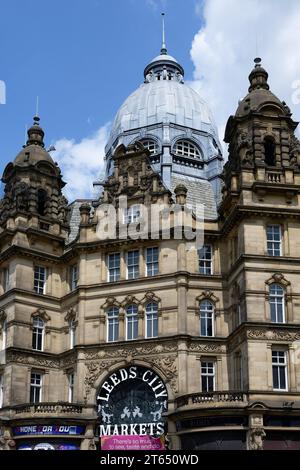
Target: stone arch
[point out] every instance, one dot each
(110, 369)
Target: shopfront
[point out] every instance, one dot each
(131, 404)
(48, 436)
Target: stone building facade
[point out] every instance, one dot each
(204, 340)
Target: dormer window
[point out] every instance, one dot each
(269, 146)
(150, 145)
(186, 149)
(42, 198)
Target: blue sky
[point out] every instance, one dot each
(82, 58)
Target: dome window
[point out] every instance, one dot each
(186, 149)
(150, 145)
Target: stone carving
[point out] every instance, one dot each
(94, 369)
(168, 366)
(294, 152)
(255, 439)
(131, 351)
(6, 441)
(209, 347)
(278, 278)
(273, 335)
(208, 295)
(62, 208)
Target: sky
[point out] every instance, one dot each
(82, 58)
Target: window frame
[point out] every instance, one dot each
(271, 241)
(151, 142)
(4, 335)
(133, 265)
(41, 290)
(34, 387)
(275, 303)
(72, 332)
(1, 390)
(207, 262)
(116, 314)
(118, 277)
(188, 149)
(134, 323)
(132, 214)
(38, 334)
(203, 316)
(151, 263)
(73, 272)
(71, 378)
(207, 375)
(154, 318)
(279, 365)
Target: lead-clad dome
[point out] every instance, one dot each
(164, 101)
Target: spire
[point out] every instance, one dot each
(258, 77)
(163, 46)
(35, 133)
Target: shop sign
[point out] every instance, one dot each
(54, 430)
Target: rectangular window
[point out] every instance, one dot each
(207, 376)
(1, 390)
(72, 330)
(131, 322)
(4, 335)
(71, 387)
(35, 388)
(114, 267)
(5, 279)
(40, 279)
(152, 320)
(205, 259)
(239, 371)
(133, 264)
(38, 335)
(113, 324)
(274, 240)
(73, 277)
(152, 261)
(132, 214)
(279, 367)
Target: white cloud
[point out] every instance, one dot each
(81, 162)
(234, 33)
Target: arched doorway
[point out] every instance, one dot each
(131, 404)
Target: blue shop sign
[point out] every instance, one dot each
(48, 430)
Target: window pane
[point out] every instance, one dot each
(152, 320)
(152, 261)
(114, 267)
(274, 240)
(39, 279)
(205, 259)
(133, 264)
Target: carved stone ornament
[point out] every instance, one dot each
(255, 438)
(110, 302)
(150, 297)
(208, 295)
(274, 335)
(279, 279)
(41, 312)
(6, 441)
(71, 314)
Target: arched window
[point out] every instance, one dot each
(269, 146)
(3, 335)
(131, 322)
(112, 324)
(42, 198)
(206, 318)
(38, 334)
(187, 149)
(72, 330)
(277, 307)
(151, 320)
(150, 145)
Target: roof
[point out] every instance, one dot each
(199, 191)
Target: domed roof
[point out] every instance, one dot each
(259, 93)
(167, 101)
(34, 151)
(31, 155)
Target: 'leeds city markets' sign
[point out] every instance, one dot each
(131, 403)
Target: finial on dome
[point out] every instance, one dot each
(35, 133)
(163, 46)
(258, 77)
